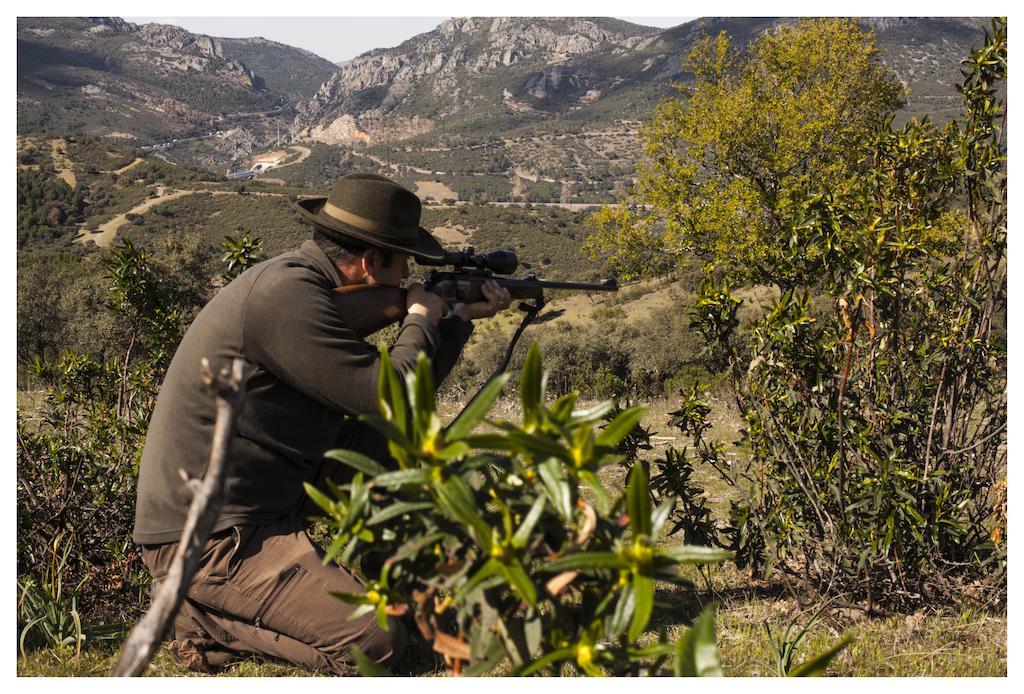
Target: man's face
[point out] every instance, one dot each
(386, 275)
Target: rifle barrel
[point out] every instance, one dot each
(607, 286)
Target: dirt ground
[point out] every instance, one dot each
(452, 235)
(433, 189)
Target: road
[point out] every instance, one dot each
(106, 233)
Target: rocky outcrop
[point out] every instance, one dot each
(440, 65)
(173, 49)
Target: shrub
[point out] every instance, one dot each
(877, 431)
(493, 529)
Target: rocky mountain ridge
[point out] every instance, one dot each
(505, 71)
(107, 76)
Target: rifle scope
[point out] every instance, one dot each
(503, 262)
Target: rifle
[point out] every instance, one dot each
(367, 309)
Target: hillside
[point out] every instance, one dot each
(550, 108)
(109, 77)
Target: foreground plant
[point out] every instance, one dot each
(488, 541)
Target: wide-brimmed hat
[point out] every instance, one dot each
(374, 211)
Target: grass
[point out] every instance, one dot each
(942, 644)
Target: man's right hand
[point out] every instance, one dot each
(421, 302)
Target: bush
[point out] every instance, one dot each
(78, 454)
(877, 430)
(492, 529)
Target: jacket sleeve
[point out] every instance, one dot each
(291, 327)
(455, 333)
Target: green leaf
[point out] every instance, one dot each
(592, 414)
(816, 666)
(497, 442)
(335, 547)
(366, 667)
(517, 577)
(495, 654)
(490, 568)
(557, 488)
(545, 660)
(398, 509)
(643, 590)
(346, 555)
(639, 502)
(393, 405)
(319, 498)
(477, 408)
(586, 560)
(356, 460)
(399, 477)
(421, 393)
(620, 427)
(696, 650)
(453, 451)
(413, 547)
(692, 554)
(351, 598)
(660, 516)
(390, 431)
(561, 410)
(458, 500)
(382, 616)
(538, 446)
(588, 478)
(623, 613)
(522, 535)
(531, 386)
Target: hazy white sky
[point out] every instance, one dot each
(334, 38)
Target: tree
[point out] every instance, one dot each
(751, 131)
(877, 430)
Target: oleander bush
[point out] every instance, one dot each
(505, 548)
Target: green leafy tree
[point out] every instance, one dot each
(753, 129)
(877, 430)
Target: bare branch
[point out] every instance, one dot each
(141, 644)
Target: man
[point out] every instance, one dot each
(261, 586)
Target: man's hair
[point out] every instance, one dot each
(343, 252)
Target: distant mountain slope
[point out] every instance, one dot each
(495, 74)
(110, 77)
(295, 72)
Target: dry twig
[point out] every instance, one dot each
(139, 647)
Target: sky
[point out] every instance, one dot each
(335, 38)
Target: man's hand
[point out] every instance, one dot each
(421, 302)
(498, 299)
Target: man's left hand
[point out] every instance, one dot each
(497, 297)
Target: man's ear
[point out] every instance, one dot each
(368, 260)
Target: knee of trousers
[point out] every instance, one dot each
(383, 647)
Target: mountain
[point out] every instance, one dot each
(494, 74)
(293, 72)
(508, 109)
(110, 77)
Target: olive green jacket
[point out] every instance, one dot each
(308, 370)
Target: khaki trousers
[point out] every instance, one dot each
(265, 590)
